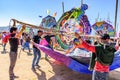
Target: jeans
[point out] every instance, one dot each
(26, 45)
(100, 75)
(37, 56)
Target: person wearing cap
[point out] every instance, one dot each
(36, 51)
(102, 57)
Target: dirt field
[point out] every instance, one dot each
(49, 70)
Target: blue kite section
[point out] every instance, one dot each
(116, 62)
(78, 67)
(75, 65)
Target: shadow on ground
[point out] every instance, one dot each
(63, 73)
(40, 74)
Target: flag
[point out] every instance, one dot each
(48, 12)
(54, 14)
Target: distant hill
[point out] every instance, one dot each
(4, 28)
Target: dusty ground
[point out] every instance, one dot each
(49, 70)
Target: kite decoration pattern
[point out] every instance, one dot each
(71, 21)
(48, 22)
(103, 27)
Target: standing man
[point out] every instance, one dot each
(14, 42)
(37, 53)
(13, 38)
(102, 57)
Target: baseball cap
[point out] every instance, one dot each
(75, 40)
(105, 36)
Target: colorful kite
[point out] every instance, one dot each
(48, 22)
(74, 20)
(103, 27)
(71, 21)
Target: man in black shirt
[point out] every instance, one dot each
(13, 41)
(37, 53)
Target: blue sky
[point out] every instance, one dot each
(29, 10)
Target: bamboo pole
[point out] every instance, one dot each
(63, 7)
(81, 2)
(34, 26)
(116, 12)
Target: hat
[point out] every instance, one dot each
(76, 40)
(40, 31)
(105, 36)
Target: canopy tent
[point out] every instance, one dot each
(73, 64)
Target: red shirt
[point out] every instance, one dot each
(98, 66)
(6, 38)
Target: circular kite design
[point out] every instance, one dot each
(72, 21)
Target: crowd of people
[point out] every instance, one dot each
(24, 40)
(102, 53)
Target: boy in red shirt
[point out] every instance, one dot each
(102, 57)
(4, 41)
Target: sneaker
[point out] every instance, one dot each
(33, 69)
(37, 66)
(11, 78)
(29, 54)
(16, 76)
(23, 49)
(3, 52)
